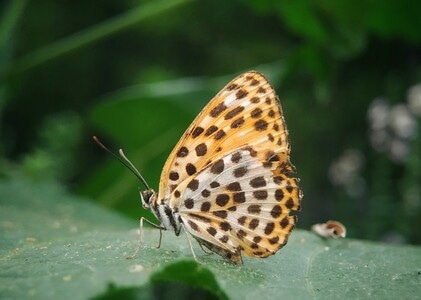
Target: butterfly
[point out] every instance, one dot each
(228, 182)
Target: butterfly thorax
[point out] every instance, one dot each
(166, 215)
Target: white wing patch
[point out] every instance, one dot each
(234, 200)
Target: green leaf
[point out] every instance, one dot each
(294, 12)
(191, 273)
(180, 280)
(54, 245)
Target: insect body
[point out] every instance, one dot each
(228, 180)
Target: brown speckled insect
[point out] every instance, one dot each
(228, 180)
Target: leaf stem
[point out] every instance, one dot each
(93, 34)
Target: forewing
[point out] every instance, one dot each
(245, 112)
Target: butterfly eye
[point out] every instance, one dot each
(146, 197)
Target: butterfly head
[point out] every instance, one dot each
(147, 197)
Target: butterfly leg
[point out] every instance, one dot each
(206, 250)
(190, 244)
(141, 236)
(160, 238)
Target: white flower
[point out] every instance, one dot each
(402, 122)
(378, 114)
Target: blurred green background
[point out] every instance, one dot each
(136, 73)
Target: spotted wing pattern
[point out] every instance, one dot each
(228, 178)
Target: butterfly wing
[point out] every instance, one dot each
(228, 176)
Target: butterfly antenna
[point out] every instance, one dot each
(124, 160)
